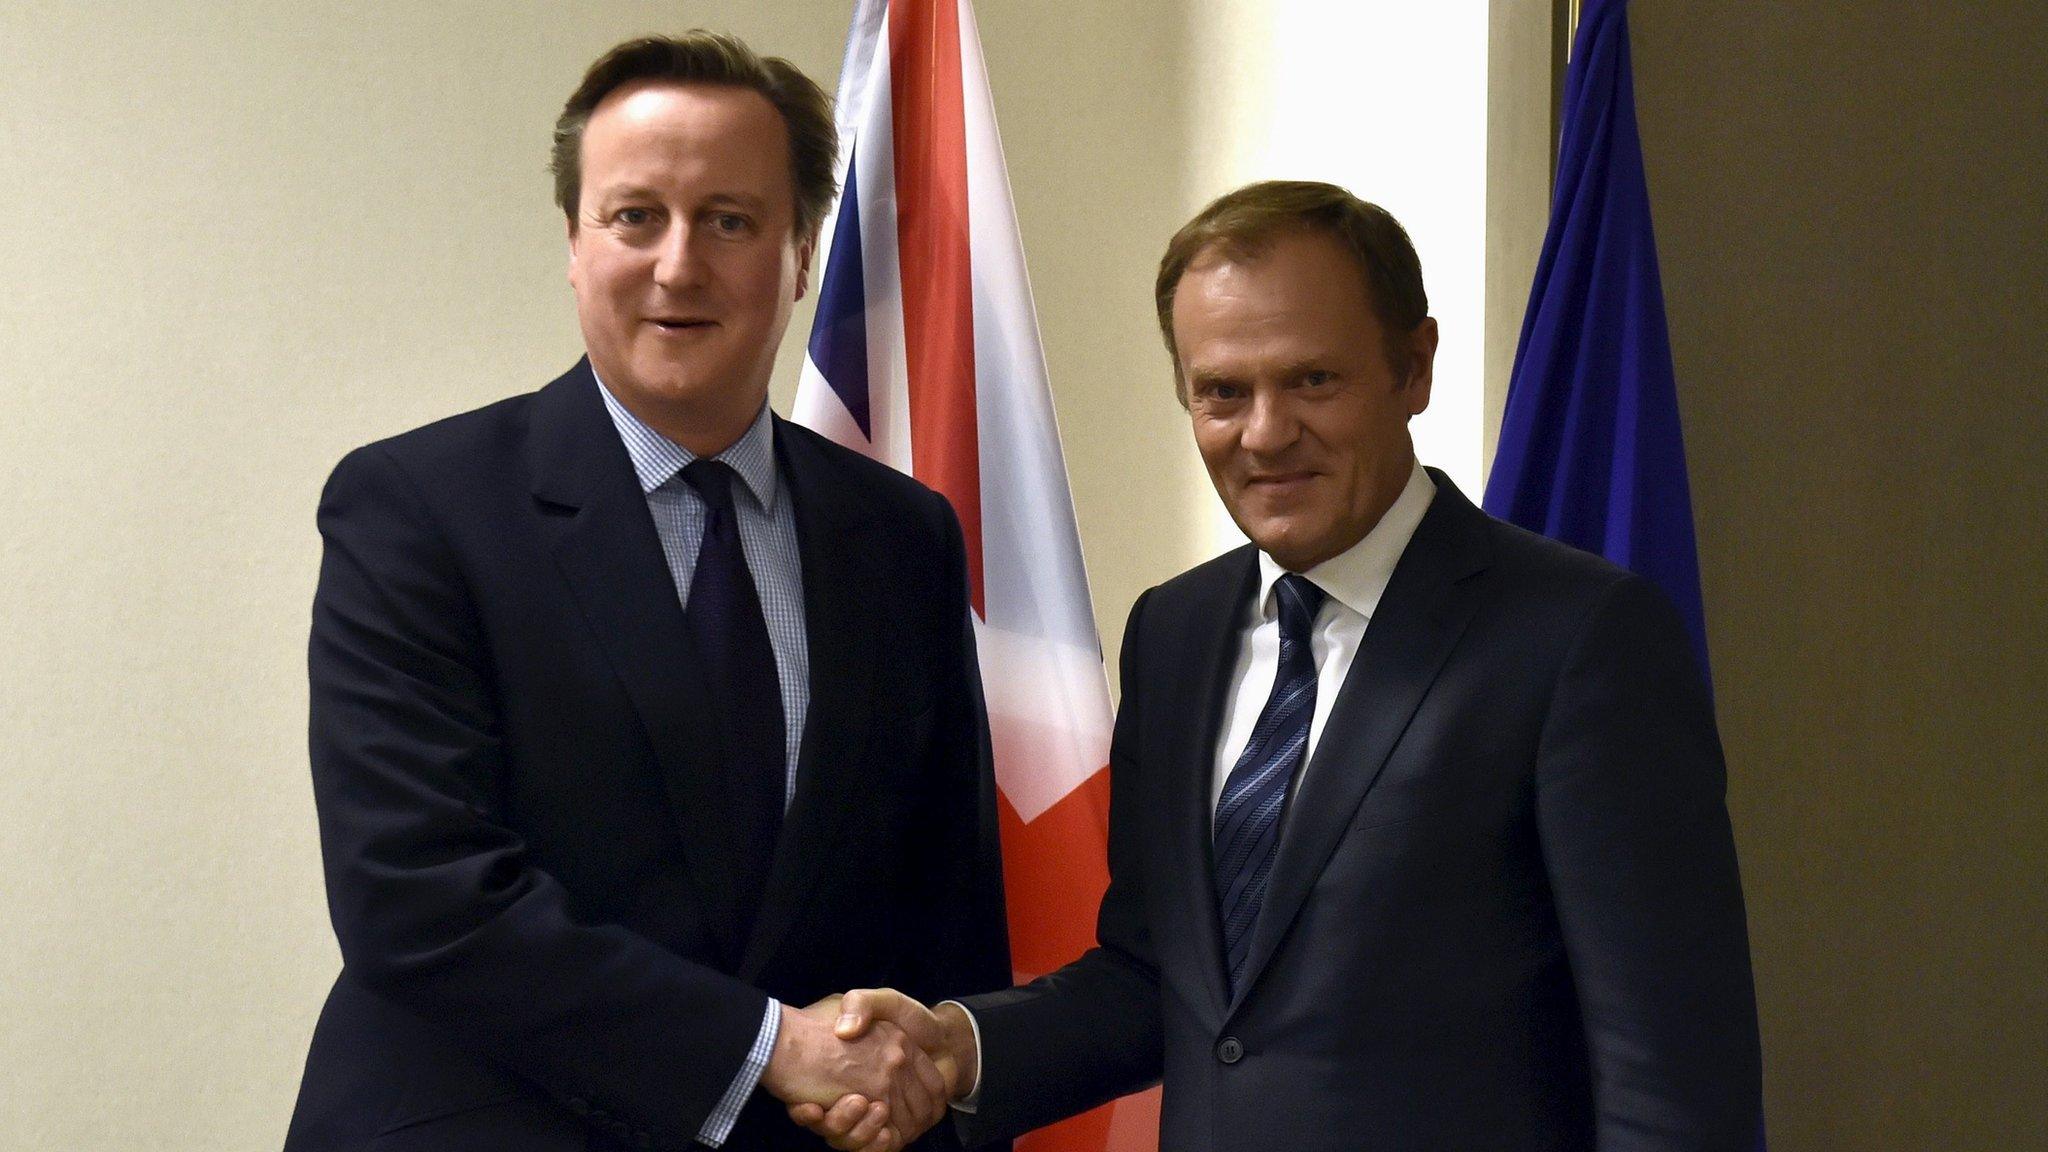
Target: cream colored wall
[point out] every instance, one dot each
(1521, 62)
(240, 238)
(1387, 98)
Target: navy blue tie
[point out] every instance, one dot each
(1248, 813)
(726, 628)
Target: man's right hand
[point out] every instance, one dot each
(946, 1036)
(880, 1085)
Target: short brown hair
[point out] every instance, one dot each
(700, 57)
(1242, 221)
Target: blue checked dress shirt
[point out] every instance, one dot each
(767, 526)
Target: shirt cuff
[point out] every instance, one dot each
(972, 1100)
(718, 1125)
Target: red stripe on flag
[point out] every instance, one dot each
(932, 249)
(1053, 887)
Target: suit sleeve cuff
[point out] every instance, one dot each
(718, 1125)
(972, 1100)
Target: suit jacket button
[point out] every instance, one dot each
(1230, 1051)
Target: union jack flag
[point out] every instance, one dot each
(925, 355)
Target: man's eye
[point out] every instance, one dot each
(633, 217)
(1317, 378)
(730, 223)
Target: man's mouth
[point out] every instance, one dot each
(680, 323)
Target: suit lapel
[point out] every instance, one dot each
(604, 542)
(1418, 622)
(1209, 657)
(840, 599)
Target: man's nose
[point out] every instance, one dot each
(677, 261)
(1270, 422)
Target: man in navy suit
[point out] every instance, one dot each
(639, 717)
(1418, 838)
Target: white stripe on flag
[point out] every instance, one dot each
(1048, 699)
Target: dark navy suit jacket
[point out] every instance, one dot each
(527, 859)
(1504, 913)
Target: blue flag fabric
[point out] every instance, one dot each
(1590, 450)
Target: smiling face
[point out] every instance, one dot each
(1299, 411)
(683, 254)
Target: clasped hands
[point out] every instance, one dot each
(872, 1070)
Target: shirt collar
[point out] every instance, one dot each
(657, 459)
(1357, 577)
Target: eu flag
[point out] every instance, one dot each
(1590, 450)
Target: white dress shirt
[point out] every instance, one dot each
(1354, 580)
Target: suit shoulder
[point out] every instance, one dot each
(1542, 582)
(877, 481)
(467, 441)
(436, 476)
(1220, 574)
(1543, 564)
(1197, 595)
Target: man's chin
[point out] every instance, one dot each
(1296, 543)
(671, 379)
(1274, 514)
(1274, 536)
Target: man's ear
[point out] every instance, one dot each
(1419, 358)
(803, 266)
(572, 250)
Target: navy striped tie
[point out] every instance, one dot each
(1248, 813)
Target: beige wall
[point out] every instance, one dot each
(1849, 211)
(1520, 70)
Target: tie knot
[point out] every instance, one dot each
(712, 480)
(1300, 600)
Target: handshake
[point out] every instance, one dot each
(873, 1069)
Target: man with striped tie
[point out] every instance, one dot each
(1418, 837)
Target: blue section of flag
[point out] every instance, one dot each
(1590, 448)
(1590, 451)
(839, 335)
